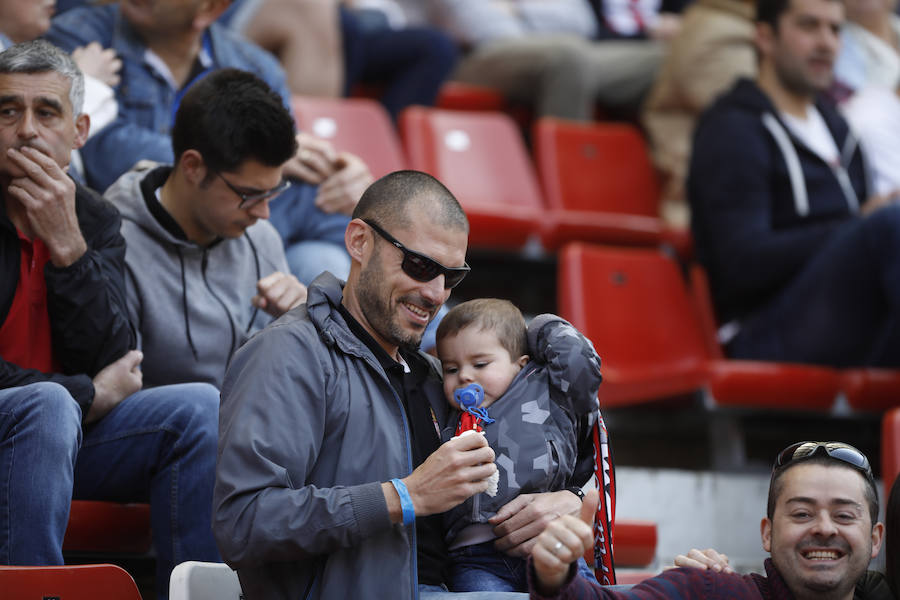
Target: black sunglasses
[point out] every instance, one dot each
(836, 450)
(420, 267)
(251, 199)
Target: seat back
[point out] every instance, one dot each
(82, 582)
(194, 580)
(481, 158)
(595, 167)
(890, 448)
(634, 306)
(360, 126)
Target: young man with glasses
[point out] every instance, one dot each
(820, 528)
(331, 473)
(204, 268)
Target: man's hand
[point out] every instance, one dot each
(564, 541)
(114, 383)
(704, 559)
(279, 293)
(876, 202)
(451, 474)
(99, 63)
(666, 28)
(518, 523)
(48, 196)
(340, 192)
(314, 161)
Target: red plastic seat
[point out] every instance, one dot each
(890, 448)
(456, 95)
(872, 389)
(635, 306)
(360, 126)
(481, 158)
(84, 582)
(108, 527)
(600, 186)
(634, 543)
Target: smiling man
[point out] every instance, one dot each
(331, 473)
(820, 529)
(204, 268)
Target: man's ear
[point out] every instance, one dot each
(764, 39)
(765, 531)
(82, 129)
(193, 167)
(208, 12)
(358, 240)
(877, 538)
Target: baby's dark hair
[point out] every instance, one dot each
(500, 316)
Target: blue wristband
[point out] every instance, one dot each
(406, 503)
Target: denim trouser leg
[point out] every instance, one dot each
(842, 309)
(313, 240)
(159, 444)
(40, 430)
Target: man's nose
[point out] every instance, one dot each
(260, 210)
(824, 525)
(26, 129)
(434, 291)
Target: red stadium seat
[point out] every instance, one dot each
(634, 543)
(360, 126)
(890, 448)
(635, 306)
(872, 389)
(456, 95)
(108, 527)
(84, 582)
(481, 158)
(600, 185)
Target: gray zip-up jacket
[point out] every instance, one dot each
(190, 304)
(541, 421)
(309, 428)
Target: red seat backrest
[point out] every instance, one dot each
(83, 582)
(595, 167)
(360, 126)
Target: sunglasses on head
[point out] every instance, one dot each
(420, 267)
(836, 450)
(251, 199)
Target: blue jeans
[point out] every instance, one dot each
(158, 445)
(412, 62)
(842, 309)
(480, 567)
(313, 239)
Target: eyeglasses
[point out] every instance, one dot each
(836, 450)
(251, 199)
(420, 267)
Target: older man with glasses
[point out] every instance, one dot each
(821, 529)
(204, 267)
(331, 475)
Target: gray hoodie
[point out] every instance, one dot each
(189, 303)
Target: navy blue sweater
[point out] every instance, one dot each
(756, 220)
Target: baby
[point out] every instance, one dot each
(533, 392)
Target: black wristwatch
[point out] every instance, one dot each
(577, 491)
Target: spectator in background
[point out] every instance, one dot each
(74, 422)
(546, 53)
(802, 257)
(25, 20)
(713, 48)
(165, 45)
(204, 268)
(329, 47)
(870, 48)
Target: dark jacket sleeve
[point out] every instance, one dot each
(730, 190)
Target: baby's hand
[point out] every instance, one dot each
(494, 479)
